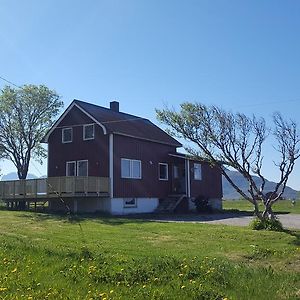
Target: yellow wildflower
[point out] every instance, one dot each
(14, 270)
(3, 289)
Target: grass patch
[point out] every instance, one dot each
(53, 257)
(281, 206)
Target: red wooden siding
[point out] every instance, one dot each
(211, 183)
(95, 151)
(150, 154)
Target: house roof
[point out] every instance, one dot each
(119, 123)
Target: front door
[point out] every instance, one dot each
(178, 178)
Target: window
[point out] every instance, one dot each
(82, 168)
(176, 172)
(131, 168)
(197, 172)
(71, 168)
(136, 169)
(67, 135)
(130, 202)
(163, 171)
(88, 132)
(125, 168)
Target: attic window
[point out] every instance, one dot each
(88, 132)
(67, 135)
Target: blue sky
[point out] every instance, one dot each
(241, 55)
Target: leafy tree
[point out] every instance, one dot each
(235, 140)
(26, 113)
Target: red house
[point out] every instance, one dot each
(134, 159)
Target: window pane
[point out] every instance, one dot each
(136, 169)
(82, 168)
(176, 172)
(70, 169)
(197, 172)
(125, 168)
(67, 135)
(89, 132)
(163, 171)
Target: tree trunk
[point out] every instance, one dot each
(22, 172)
(268, 213)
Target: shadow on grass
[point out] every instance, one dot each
(105, 218)
(102, 218)
(192, 216)
(295, 234)
(235, 210)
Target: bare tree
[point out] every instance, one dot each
(234, 140)
(26, 113)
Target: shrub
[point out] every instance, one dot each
(267, 224)
(202, 204)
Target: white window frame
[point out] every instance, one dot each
(197, 166)
(71, 162)
(62, 135)
(167, 173)
(131, 168)
(128, 205)
(87, 167)
(84, 127)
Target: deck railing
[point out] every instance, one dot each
(54, 187)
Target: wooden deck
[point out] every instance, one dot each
(54, 187)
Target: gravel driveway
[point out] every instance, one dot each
(237, 219)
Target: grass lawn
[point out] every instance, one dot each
(282, 206)
(55, 257)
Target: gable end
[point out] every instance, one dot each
(73, 104)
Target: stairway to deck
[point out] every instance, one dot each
(169, 204)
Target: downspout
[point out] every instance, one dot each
(111, 164)
(188, 180)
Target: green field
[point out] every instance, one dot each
(282, 206)
(55, 257)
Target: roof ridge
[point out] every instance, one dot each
(108, 109)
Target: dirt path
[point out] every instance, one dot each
(236, 219)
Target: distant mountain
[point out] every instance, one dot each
(230, 193)
(14, 176)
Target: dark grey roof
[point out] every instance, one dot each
(126, 124)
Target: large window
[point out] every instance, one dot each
(82, 168)
(131, 168)
(88, 132)
(197, 171)
(67, 135)
(163, 171)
